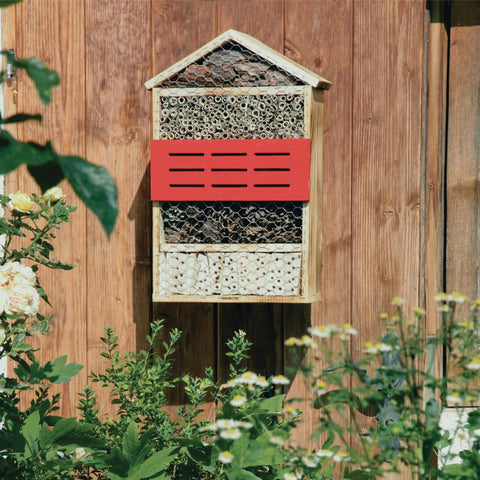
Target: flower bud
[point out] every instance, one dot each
(53, 195)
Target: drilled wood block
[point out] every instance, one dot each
(228, 273)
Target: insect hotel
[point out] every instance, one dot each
(236, 162)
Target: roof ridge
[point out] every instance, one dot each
(250, 43)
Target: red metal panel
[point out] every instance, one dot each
(254, 170)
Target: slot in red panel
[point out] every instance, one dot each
(210, 170)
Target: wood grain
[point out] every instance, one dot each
(179, 28)
(387, 160)
(118, 124)
(435, 137)
(463, 212)
(316, 48)
(262, 19)
(193, 354)
(51, 31)
(9, 40)
(463, 148)
(387, 157)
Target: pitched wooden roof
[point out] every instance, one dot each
(252, 44)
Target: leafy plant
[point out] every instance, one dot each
(34, 443)
(404, 395)
(93, 184)
(246, 440)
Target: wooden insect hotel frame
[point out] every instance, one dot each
(236, 162)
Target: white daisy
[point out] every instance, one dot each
(280, 380)
(225, 457)
(310, 461)
(349, 330)
(230, 433)
(455, 398)
(320, 387)
(276, 440)
(341, 457)
(474, 364)
(324, 453)
(238, 400)
(322, 331)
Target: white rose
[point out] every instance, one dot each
(20, 202)
(4, 277)
(16, 273)
(23, 299)
(3, 335)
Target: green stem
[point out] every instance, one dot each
(6, 253)
(26, 251)
(358, 431)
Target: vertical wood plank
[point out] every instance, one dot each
(308, 40)
(118, 123)
(52, 31)
(262, 324)
(437, 71)
(436, 131)
(387, 160)
(263, 19)
(9, 40)
(387, 157)
(178, 29)
(195, 350)
(463, 163)
(463, 207)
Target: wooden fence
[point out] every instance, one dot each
(384, 151)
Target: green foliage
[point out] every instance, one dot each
(248, 436)
(402, 395)
(35, 444)
(38, 226)
(244, 441)
(7, 3)
(43, 78)
(238, 347)
(137, 383)
(56, 371)
(93, 184)
(132, 460)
